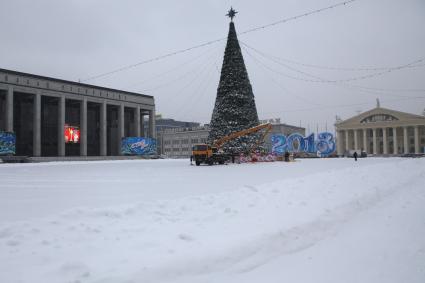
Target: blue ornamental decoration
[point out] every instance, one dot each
(7, 143)
(138, 146)
(323, 146)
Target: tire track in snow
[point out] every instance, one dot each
(248, 256)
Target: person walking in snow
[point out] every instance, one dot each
(355, 156)
(286, 156)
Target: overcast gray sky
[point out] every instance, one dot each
(79, 39)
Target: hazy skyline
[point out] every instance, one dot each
(300, 70)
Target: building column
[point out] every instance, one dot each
(137, 121)
(37, 125)
(395, 141)
(405, 139)
(347, 144)
(83, 127)
(417, 150)
(375, 146)
(152, 132)
(142, 125)
(103, 122)
(356, 142)
(340, 151)
(120, 126)
(9, 110)
(385, 140)
(365, 140)
(61, 126)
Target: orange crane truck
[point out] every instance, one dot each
(212, 154)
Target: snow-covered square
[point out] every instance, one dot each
(313, 220)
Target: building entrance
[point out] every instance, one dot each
(112, 130)
(93, 129)
(23, 111)
(2, 110)
(49, 126)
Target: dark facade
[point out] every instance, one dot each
(37, 109)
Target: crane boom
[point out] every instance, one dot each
(218, 143)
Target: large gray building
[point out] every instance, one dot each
(382, 131)
(178, 142)
(37, 109)
(164, 124)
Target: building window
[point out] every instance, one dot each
(176, 142)
(63, 87)
(28, 82)
(194, 140)
(17, 80)
(378, 118)
(6, 78)
(185, 141)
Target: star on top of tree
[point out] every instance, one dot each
(231, 14)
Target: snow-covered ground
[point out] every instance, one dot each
(327, 220)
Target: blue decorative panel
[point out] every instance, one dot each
(7, 143)
(138, 146)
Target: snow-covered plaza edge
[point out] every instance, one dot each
(318, 220)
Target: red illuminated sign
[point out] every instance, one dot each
(72, 134)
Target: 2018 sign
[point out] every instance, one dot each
(325, 144)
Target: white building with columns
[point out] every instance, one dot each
(37, 109)
(382, 131)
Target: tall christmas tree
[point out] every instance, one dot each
(234, 108)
